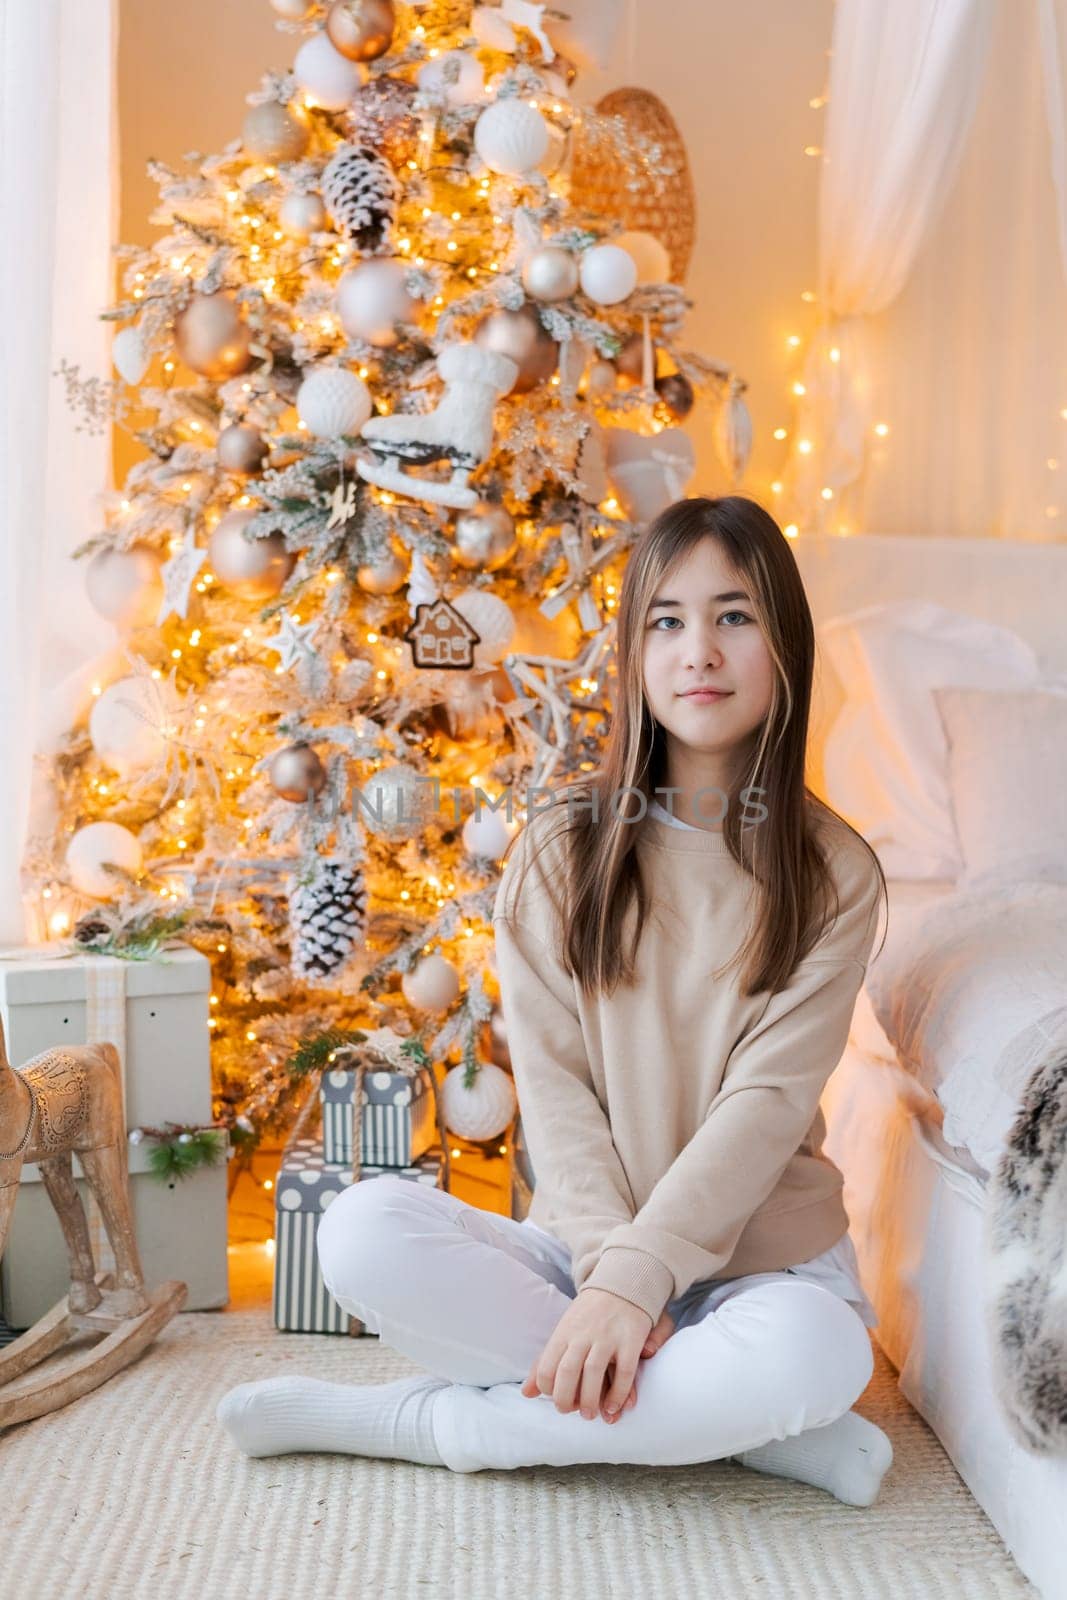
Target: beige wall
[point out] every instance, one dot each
(737, 79)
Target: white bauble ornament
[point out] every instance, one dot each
(651, 258)
(492, 619)
(301, 215)
(432, 985)
(383, 577)
(469, 86)
(129, 354)
(648, 472)
(125, 586)
(324, 74)
(255, 569)
(130, 722)
(484, 1111)
(212, 338)
(395, 803)
(607, 274)
(550, 273)
(484, 537)
(511, 137)
(96, 846)
(333, 401)
(270, 132)
(291, 10)
(372, 299)
(487, 833)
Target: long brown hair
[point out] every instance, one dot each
(796, 897)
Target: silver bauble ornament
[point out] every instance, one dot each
(296, 773)
(270, 132)
(324, 74)
(255, 569)
(125, 586)
(211, 338)
(383, 577)
(550, 273)
(361, 30)
(608, 274)
(484, 1111)
(301, 215)
(395, 803)
(521, 336)
(95, 847)
(432, 985)
(372, 299)
(484, 537)
(241, 448)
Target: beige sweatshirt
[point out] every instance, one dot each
(673, 1127)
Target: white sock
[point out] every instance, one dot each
(279, 1415)
(849, 1457)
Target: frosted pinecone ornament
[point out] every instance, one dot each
(360, 190)
(327, 918)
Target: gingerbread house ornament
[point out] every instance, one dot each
(441, 637)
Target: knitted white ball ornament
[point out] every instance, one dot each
(332, 401)
(511, 137)
(485, 1110)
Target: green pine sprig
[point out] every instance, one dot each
(181, 1151)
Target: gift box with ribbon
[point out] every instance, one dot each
(399, 1121)
(306, 1185)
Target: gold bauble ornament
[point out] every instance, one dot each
(361, 30)
(211, 338)
(520, 335)
(241, 448)
(255, 569)
(271, 133)
(550, 273)
(296, 773)
(484, 537)
(383, 577)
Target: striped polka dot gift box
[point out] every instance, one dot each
(399, 1119)
(305, 1186)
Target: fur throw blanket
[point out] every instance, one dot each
(1026, 1254)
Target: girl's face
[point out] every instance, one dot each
(701, 630)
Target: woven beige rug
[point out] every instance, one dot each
(135, 1493)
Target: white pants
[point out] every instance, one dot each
(474, 1297)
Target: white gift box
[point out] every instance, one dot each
(156, 1013)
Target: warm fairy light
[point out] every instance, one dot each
(881, 429)
(380, 673)
(835, 354)
(818, 102)
(97, 689)
(776, 487)
(781, 433)
(804, 446)
(175, 654)
(251, 1035)
(812, 150)
(125, 505)
(799, 388)
(808, 296)
(168, 366)
(452, 245)
(793, 341)
(268, 1183)
(1052, 464)
(221, 948)
(214, 1000)
(372, 638)
(59, 922)
(827, 494)
(791, 530)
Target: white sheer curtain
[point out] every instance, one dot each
(904, 83)
(58, 180)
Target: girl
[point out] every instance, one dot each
(677, 983)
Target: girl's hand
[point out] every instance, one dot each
(655, 1341)
(597, 1331)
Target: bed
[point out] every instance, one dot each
(918, 1179)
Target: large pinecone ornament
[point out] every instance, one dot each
(327, 917)
(361, 191)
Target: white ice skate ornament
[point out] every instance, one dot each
(460, 429)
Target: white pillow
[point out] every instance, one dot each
(886, 761)
(1007, 763)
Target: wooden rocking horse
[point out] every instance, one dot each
(63, 1102)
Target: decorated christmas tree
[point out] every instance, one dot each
(405, 365)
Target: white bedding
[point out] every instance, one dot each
(969, 993)
(915, 1217)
